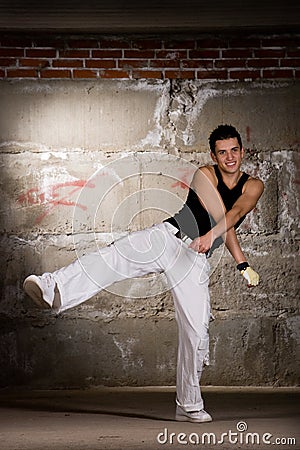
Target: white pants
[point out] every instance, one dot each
(154, 249)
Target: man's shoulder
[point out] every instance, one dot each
(203, 175)
(255, 184)
(254, 180)
(207, 169)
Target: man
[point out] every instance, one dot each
(218, 201)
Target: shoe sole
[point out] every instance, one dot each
(188, 419)
(35, 293)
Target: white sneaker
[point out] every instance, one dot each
(41, 289)
(192, 416)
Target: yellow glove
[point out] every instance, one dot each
(249, 274)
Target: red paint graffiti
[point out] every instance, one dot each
(52, 196)
(183, 181)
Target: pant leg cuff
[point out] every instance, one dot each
(189, 407)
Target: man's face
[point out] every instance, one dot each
(228, 155)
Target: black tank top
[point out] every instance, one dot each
(193, 219)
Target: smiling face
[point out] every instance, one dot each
(228, 155)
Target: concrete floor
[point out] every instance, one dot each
(134, 418)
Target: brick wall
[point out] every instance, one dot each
(247, 57)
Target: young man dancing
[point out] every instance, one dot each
(219, 198)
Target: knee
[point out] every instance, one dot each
(197, 338)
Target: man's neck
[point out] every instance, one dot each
(230, 179)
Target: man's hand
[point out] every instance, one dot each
(203, 243)
(251, 276)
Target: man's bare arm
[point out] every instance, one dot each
(234, 247)
(204, 185)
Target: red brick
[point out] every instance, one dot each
(212, 74)
(74, 53)
(297, 73)
(295, 53)
(13, 52)
(197, 63)
(211, 43)
(114, 43)
(144, 44)
(100, 63)
(244, 74)
(204, 54)
(261, 53)
(83, 43)
(67, 63)
(280, 41)
(22, 73)
(28, 62)
(184, 44)
(8, 62)
(40, 53)
(290, 62)
(244, 42)
(130, 63)
(9, 41)
(48, 42)
(139, 53)
(263, 62)
(114, 74)
(227, 63)
(55, 73)
(237, 53)
(164, 63)
(278, 73)
(84, 74)
(2, 73)
(180, 74)
(147, 74)
(107, 54)
(171, 54)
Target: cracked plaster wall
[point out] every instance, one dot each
(54, 136)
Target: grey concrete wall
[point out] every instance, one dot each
(142, 139)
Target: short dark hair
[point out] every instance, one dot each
(223, 132)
